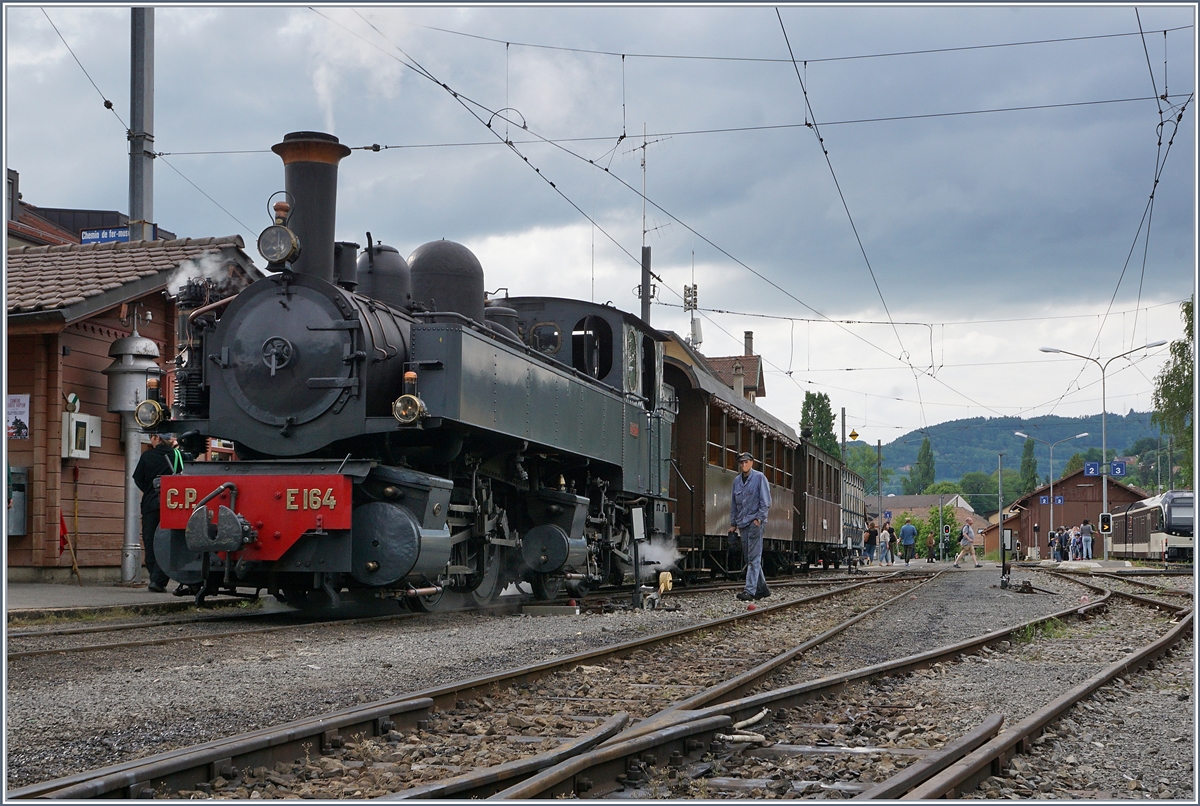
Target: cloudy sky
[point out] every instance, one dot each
(976, 184)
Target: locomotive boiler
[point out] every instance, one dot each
(399, 433)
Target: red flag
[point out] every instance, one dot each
(62, 533)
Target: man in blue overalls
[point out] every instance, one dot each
(748, 509)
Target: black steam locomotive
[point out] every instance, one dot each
(399, 433)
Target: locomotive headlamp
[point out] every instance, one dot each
(278, 244)
(408, 409)
(148, 413)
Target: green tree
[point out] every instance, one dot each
(1029, 474)
(922, 474)
(943, 488)
(1173, 396)
(976, 483)
(817, 414)
(1073, 464)
(930, 525)
(861, 459)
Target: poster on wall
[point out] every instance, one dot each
(18, 416)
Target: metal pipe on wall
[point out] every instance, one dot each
(131, 551)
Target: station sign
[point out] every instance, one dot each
(887, 514)
(1045, 499)
(1117, 469)
(1091, 468)
(1058, 499)
(110, 234)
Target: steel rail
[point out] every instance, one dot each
(992, 757)
(183, 767)
(916, 774)
(614, 762)
(135, 625)
(488, 780)
(171, 639)
(1162, 589)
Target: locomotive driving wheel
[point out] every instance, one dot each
(490, 582)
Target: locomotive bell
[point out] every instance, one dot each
(130, 372)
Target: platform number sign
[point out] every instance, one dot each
(1091, 468)
(887, 514)
(1058, 499)
(1045, 499)
(1118, 469)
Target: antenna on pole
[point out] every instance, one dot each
(646, 289)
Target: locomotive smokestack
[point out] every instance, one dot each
(310, 165)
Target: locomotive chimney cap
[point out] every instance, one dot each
(310, 147)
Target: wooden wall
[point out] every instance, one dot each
(38, 367)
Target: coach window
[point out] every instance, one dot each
(731, 443)
(592, 347)
(716, 426)
(545, 337)
(769, 461)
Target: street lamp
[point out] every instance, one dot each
(1051, 444)
(1103, 418)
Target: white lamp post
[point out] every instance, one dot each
(1051, 444)
(1103, 418)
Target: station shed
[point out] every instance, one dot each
(67, 303)
(1081, 498)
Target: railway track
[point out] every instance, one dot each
(666, 741)
(183, 768)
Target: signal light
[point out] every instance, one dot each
(1105, 523)
(946, 530)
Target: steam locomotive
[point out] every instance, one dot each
(397, 432)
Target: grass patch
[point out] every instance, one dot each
(1052, 628)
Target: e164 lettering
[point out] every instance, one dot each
(310, 498)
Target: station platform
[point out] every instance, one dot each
(29, 601)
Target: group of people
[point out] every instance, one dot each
(1074, 543)
(886, 542)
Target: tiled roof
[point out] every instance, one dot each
(44, 278)
(751, 368)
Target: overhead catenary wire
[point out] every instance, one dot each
(904, 355)
(814, 59)
(468, 103)
(601, 138)
(109, 105)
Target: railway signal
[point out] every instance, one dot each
(1105, 523)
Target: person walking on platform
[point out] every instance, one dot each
(869, 543)
(163, 459)
(748, 507)
(883, 543)
(908, 540)
(966, 539)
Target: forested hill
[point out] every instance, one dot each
(965, 446)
